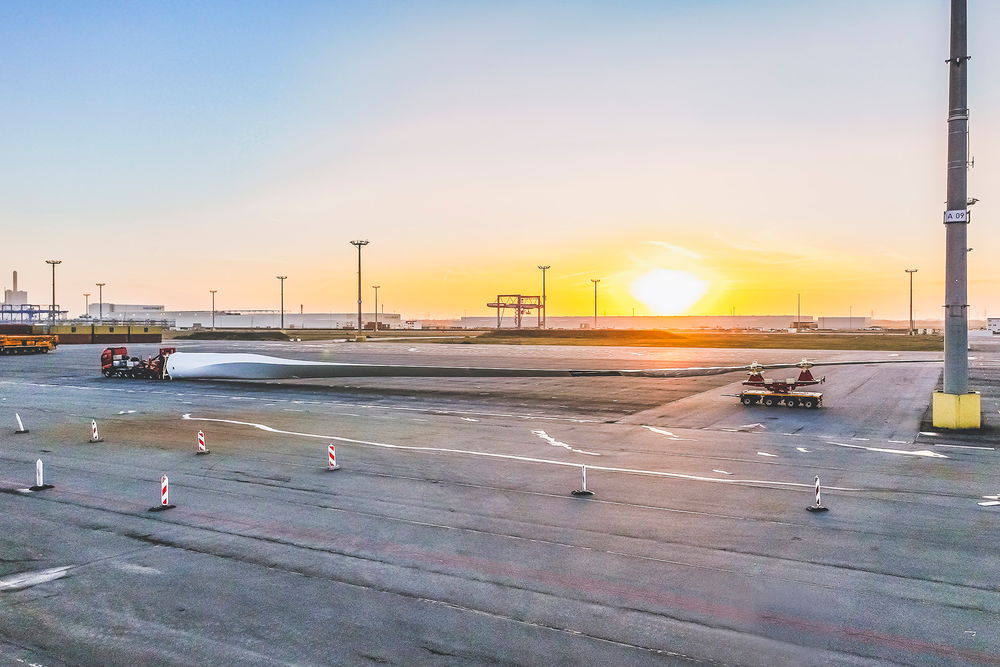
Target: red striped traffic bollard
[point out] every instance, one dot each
(201, 443)
(332, 456)
(164, 496)
(94, 435)
(818, 505)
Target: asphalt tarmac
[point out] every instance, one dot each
(450, 535)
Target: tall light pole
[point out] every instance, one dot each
(956, 407)
(545, 310)
(375, 287)
(360, 245)
(52, 313)
(213, 291)
(595, 281)
(100, 301)
(282, 279)
(911, 272)
(86, 304)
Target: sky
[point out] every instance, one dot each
(695, 156)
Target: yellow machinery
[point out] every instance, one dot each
(31, 344)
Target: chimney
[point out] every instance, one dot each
(15, 281)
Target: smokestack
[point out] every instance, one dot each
(15, 281)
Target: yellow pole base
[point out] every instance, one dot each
(956, 410)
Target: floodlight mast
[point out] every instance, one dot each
(359, 245)
(544, 309)
(957, 407)
(956, 323)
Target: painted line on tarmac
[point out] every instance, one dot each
(437, 411)
(992, 449)
(22, 580)
(919, 452)
(556, 443)
(513, 457)
(669, 434)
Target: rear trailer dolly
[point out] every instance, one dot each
(770, 392)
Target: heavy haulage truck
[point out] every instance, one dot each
(116, 363)
(771, 392)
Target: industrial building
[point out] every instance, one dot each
(238, 318)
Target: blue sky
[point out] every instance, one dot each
(226, 142)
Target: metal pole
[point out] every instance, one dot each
(798, 312)
(213, 291)
(86, 304)
(52, 312)
(595, 281)
(911, 272)
(282, 279)
(359, 244)
(956, 324)
(376, 306)
(100, 301)
(545, 306)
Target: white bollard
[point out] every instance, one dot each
(20, 425)
(818, 505)
(94, 435)
(164, 496)
(332, 458)
(201, 443)
(40, 484)
(583, 491)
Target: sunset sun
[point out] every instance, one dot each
(668, 292)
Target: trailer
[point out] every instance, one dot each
(793, 399)
(37, 344)
(116, 363)
(770, 392)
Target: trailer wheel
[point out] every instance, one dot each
(107, 373)
(768, 401)
(791, 402)
(746, 400)
(809, 402)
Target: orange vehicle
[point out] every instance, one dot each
(38, 344)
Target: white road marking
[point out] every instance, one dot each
(468, 419)
(556, 443)
(661, 431)
(16, 582)
(722, 472)
(126, 412)
(964, 447)
(990, 503)
(802, 449)
(920, 452)
(512, 457)
(997, 497)
(575, 420)
(766, 454)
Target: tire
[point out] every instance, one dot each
(107, 373)
(809, 403)
(791, 402)
(768, 401)
(746, 400)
